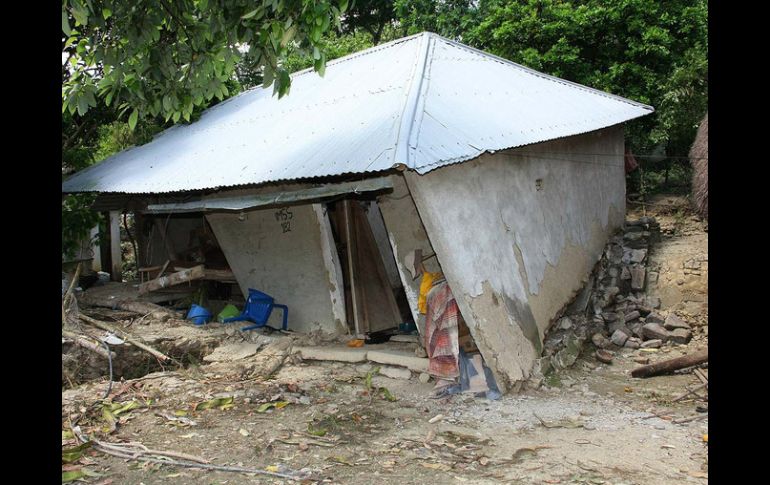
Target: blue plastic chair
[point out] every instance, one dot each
(258, 308)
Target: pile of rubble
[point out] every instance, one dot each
(613, 310)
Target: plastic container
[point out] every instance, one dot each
(199, 315)
(228, 311)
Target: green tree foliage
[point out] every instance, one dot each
(166, 57)
(650, 51)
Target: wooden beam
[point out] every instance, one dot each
(115, 255)
(349, 244)
(190, 274)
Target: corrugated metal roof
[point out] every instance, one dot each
(251, 201)
(422, 102)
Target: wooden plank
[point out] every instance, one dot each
(115, 254)
(224, 275)
(195, 273)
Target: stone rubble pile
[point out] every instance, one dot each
(613, 310)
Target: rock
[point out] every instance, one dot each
(565, 323)
(394, 357)
(652, 279)
(631, 316)
(609, 316)
(619, 326)
(636, 329)
(395, 372)
(633, 343)
(652, 301)
(654, 317)
(569, 354)
(638, 255)
(600, 341)
(424, 377)
(680, 336)
(333, 353)
(604, 356)
(642, 360)
(655, 331)
(652, 344)
(637, 277)
(625, 274)
(420, 352)
(619, 337)
(674, 322)
(364, 368)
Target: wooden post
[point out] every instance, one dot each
(104, 243)
(117, 264)
(350, 243)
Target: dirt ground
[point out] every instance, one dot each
(590, 424)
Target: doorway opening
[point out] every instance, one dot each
(375, 302)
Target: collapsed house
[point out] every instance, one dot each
(507, 180)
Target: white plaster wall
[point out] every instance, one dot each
(289, 262)
(499, 237)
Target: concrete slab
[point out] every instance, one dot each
(395, 372)
(413, 339)
(400, 358)
(228, 353)
(333, 353)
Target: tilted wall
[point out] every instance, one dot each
(286, 253)
(516, 234)
(406, 233)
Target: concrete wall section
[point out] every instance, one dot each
(518, 231)
(280, 251)
(406, 233)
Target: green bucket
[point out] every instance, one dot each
(228, 311)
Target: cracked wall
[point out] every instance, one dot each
(517, 233)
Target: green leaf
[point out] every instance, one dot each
(133, 119)
(343, 5)
(319, 431)
(72, 475)
(69, 455)
(251, 14)
(106, 13)
(220, 402)
(65, 24)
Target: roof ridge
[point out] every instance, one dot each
(401, 153)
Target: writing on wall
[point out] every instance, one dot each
(284, 216)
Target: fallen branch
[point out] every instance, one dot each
(141, 307)
(139, 449)
(68, 294)
(118, 451)
(125, 336)
(671, 365)
(691, 418)
(699, 374)
(689, 391)
(82, 341)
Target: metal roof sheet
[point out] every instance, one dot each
(420, 102)
(251, 201)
